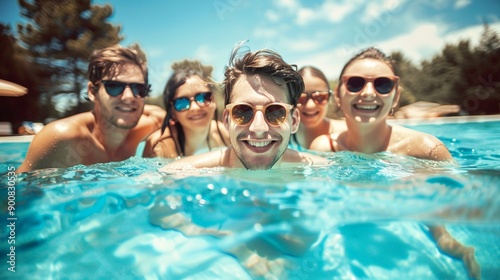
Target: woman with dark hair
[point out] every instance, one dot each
(313, 107)
(190, 125)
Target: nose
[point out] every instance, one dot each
(259, 124)
(310, 103)
(193, 103)
(127, 93)
(368, 91)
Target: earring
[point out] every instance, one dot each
(172, 121)
(391, 112)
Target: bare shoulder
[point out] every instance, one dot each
(293, 156)
(418, 144)
(66, 129)
(217, 158)
(154, 112)
(151, 142)
(321, 143)
(46, 148)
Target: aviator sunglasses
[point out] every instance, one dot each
(184, 103)
(383, 85)
(319, 97)
(243, 113)
(115, 88)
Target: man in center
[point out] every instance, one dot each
(261, 92)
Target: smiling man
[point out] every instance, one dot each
(118, 84)
(261, 92)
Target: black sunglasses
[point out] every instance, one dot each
(383, 85)
(184, 103)
(243, 113)
(115, 88)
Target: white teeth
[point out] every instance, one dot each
(197, 117)
(366, 107)
(127, 109)
(259, 144)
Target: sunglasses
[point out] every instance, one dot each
(383, 85)
(243, 113)
(184, 103)
(319, 97)
(115, 88)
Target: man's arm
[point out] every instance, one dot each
(47, 149)
(156, 113)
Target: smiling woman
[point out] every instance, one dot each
(367, 92)
(190, 125)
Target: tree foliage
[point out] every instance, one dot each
(16, 68)
(60, 36)
(460, 75)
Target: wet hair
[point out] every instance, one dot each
(177, 79)
(371, 53)
(109, 61)
(263, 62)
(314, 72)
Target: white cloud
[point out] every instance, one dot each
(272, 16)
(288, 4)
(304, 16)
(334, 12)
(155, 52)
(203, 53)
(461, 3)
(423, 42)
(427, 39)
(329, 10)
(375, 9)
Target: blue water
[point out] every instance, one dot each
(361, 217)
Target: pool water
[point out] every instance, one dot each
(360, 217)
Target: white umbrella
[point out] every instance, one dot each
(11, 89)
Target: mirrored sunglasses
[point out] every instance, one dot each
(382, 85)
(319, 97)
(243, 113)
(184, 103)
(115, 88)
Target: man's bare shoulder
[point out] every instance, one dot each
(217, 158)
(68, 128)
(51, 143)
(293, 156)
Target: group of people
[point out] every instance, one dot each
(273, 116)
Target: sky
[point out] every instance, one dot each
(322, 33)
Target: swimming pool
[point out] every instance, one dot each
(360, 217)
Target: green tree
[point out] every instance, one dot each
(15, 67)
(407, 72)
(60, 37)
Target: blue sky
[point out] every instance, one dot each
(323, 33)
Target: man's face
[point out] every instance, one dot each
(258, 144)
(124, 110)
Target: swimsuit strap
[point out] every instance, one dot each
(331, 143)
(294, 138)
